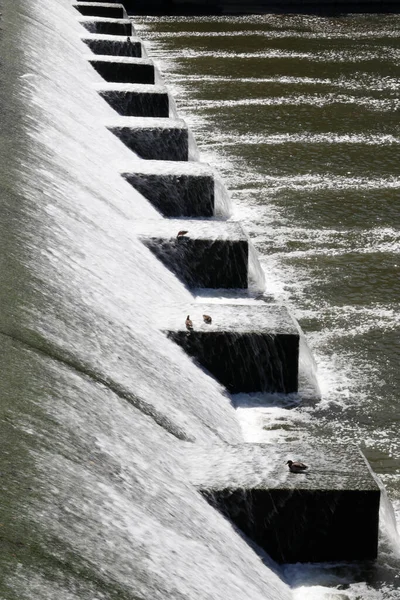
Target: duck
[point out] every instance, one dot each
(207, 319)
(296, 467)
(181, 234)
(189, 323)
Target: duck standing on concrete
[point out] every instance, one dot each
(296, 467)
(207, 319)
(189, 323)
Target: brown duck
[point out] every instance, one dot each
(207, 319)
(189, 323)
(296, 467)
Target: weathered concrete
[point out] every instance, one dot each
(247, 348)
(108, 26)
(213, 254)
(101, 9)
(329, 513)
(154, 139)
(124, 69)
(113, 45)
(133, 100)
(176, 189)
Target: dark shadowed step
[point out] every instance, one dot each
(135, 100)
(113, 45)
(329, 513)
(108, 26)
(213, 254)
(101, 9)
(247, 348)
(124, 69)
(176, 189)
(154, 139)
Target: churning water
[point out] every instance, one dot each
(300, 115)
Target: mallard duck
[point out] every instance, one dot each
(296, 467)
(189, 323)
(207, 319)
(181, 233)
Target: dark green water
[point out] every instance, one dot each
(301, 117)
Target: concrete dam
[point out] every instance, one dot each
(125, 470)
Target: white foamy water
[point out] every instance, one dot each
(329, 138)
(382, 83)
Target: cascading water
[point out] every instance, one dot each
(96, 404)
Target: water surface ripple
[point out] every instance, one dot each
(300, 115)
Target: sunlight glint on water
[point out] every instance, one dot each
(299, 115)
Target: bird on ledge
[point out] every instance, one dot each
(189, 323)
(296, 467)
(207, 319)
(181, 234)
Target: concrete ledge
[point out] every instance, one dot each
(108, 26)
(247, 348)
(132, 100)
(101, 9)
(124, 69)
(113, 45)
(154, 139)
(213, 254)
(176, 189)
(329, 514)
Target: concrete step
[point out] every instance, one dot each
(247, 348)
(101, 9)
(114, 45)
(154, 139)
(178, 189)
(212, 254)
(135, 100)
(329, 513)
(103, 25)
(124, 69)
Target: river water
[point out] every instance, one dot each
(300, 115)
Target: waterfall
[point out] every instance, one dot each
(97, 404)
